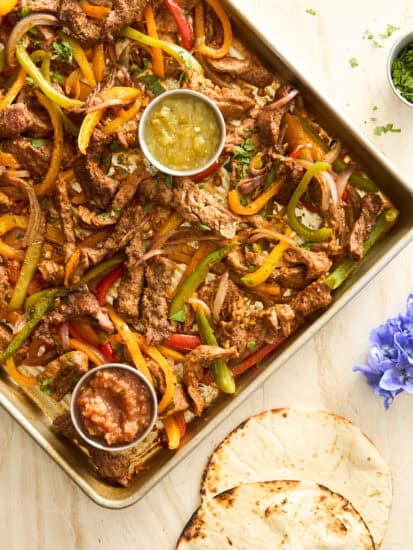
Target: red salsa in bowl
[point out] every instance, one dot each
(113, 406)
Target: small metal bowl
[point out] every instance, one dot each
(98, 442)
(142, 125)
(397, 48)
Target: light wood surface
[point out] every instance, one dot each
(41, 509)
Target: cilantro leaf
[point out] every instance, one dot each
(310, 11)
(252, 345)
(389, 127)
(204, 227)
(37, 143)
(353, 62)
(64, 50)
(153, 84)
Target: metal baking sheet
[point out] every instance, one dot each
(32, 409)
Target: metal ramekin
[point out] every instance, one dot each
(99, 442)
(148, 111)
(394, 53)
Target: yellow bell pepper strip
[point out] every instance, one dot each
(47, 185)
(84, 331)
(171, 353)
(7, 6)
(170, 224)
(98, 62)
(88, 350)
(271, 290)
(37, 311)
(173, 433)
(158, 65)
(16, 376)
(7, 159)
(179, 53)
(347, 266)
(200, 46)
(81, 59)
(27, 64)
(114, 125)
(8, 222)
(170, 378)
(253, 207)
(96, 12)
(273, 259)
(30, 263)
(221, 373)
(2, 56)
(14, 89)
(131, 341)
(101, 268)
(313, 235)
(11, 253)
(89, 123)
(74, 259)
(195, 279)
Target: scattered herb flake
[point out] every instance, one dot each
(63, 50)
(168, 180)
(58, 78)
(310, 11)
(353, 62)
(37, 142)
(179, 316)
(375, 108)
(402, 72)
(379, 130)
(24, 12)
(252, 345)
(204, 227)
(390, 29)
(153, 84)
(115, 146)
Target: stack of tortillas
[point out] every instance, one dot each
(293, 479)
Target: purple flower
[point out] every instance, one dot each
(389, 368)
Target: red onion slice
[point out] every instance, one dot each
(332, 155)
(249, 184)
(220, 296)
(285, 100)
(263, 233)
(22, 27)
(342, 181)
(150, 254)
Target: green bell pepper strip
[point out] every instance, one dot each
(363, 183)
(314, 235)
(30, 263)
(346, 267)
(28, 65)
(37, 311)
(179, 53)
(221, 373)
(195, 279)
(101, 268)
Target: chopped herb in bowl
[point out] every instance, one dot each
(402, 72)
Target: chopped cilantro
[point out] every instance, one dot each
(243, 153)
(153, 84)
(37, 142)
(251, 268)
(310, 11)
(248, 280)
(201, 185)
(24, 12)
(29, 80)
(389, 127)
(115, 146)
(58, 78)
(390, 29)
(402, 72)
(372, 38)
(168, 180)
(204, 227)
(252, 345)
(353, 62)
(20, 235)
(45, 385)
(306, 246)
(375, 108)
(63, 50)
(68, 360)
(139, 70)
(244, 201)
(182, 79)
(179, 316)
(148, 207)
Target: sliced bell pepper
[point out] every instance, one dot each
(92, 353)
(89, 123)
(185, 29)
(81, 329)
(220, 371)
(158, 65)
(253, 207)
(18, 377)
(14, 89)
(81, 59)
(98, 62)
(96, 12)
(108, 353)
(37, 311)
(179, 53)
(203, 251)
(74, 259)
(107, 282)
(200, 45)
(173, 432)
(313, 235)
(171, 353)
(185, 342)
(113, 126)
(253, 359)
(101, 268)
(7, 6)
(195, 279)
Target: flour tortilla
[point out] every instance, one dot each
(276, 514)
(303, 444)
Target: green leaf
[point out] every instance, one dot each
(179, 316)
(58, 78)
(204, 227)
(353, 62)
(252, 345)
(63, 50)
(310, 11)
(37, 142)
(153, 84)
(389, 127)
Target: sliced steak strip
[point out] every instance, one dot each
(179, 403)
(314, 297)
(61, 375)
(34, 159)
(78, 25)
(316, 263)
(194, 364)
(124, 12)
(158, 274)
(270, 118)
(131, 284)
(291, 173)
(52, 272)
(5, 337)
(370, 207)
(50, 6)
(14, 120)
(232, 102)
(65, 210)
(114, 468)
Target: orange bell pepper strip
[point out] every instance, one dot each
(171, 353)
(253, 207)
(89, 123)
(16, 376)
(273, 259)
(49, 180)
(200, 46)
(96, 12)
(98, 61)
(173, 432)
(171, 223)
(14, 89)
(158, 64)
(8, 222)
(89, 350)
(114, 125)
(81, 59)
(85, 331)
(74, 259)
(7, 159)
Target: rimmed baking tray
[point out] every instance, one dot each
(33, 410)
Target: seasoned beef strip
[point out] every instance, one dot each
(14, 120)
(270, 118)
(61, 375)
(124, 12)
(316, 263)
(232, 102)
(77, 24)
(291, 173)
(158, 273)
(194, 364)
(34, 159)
(65, 210)
(52, 272)
(315, 296)
(5, 287)
(179, 403)
(114, 468)
(50, 6)
(371, 205)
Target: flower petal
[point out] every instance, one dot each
(392, 380)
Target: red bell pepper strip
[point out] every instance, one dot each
(207, 172)
(183, 341)
(107, 352)
(106, 284)
(76, 334)
(187, 35)
(253, 359)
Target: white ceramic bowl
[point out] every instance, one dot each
(394, 53)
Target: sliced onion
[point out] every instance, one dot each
(195, 302)
(220, 296)
(332, 155)
(150, 254)
(35, 219)
(270, 234)
(342, 181)
(284, 100)
(249, 184)
(332, 186)
(18, 173)
(64, 336)
(22, 27)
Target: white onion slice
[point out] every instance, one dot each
(220, 296)
(332, 155)
(22, 27)
(342, 181)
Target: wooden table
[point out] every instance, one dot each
(41, 509)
